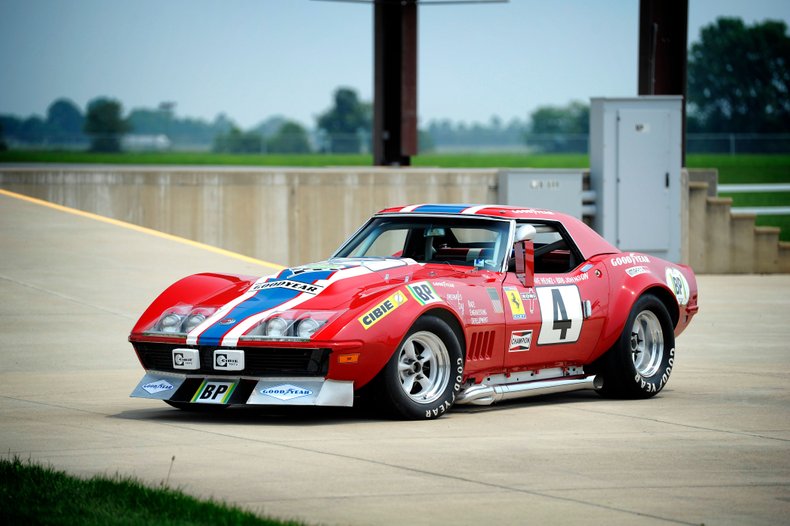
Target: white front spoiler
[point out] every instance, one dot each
(266, 391)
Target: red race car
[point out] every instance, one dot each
(426, 306)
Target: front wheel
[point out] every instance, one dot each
(639, 364)
(424, 375)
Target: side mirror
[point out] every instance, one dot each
(525, 255)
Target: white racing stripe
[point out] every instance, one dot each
(475, 209)
(232, 338)
(410, 208)
(194, 334)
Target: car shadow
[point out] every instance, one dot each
(319, 416)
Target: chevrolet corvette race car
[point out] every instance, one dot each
(424, 307)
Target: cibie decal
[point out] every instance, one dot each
(635, 271)
(677, 282)
(423, 292)
(514, 302)
(158, 386)
(520, 341)
(286, 392)
(372, 317)
(307, 288)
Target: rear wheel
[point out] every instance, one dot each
(424, 375)
(639, 364)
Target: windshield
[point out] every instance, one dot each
(472, 242)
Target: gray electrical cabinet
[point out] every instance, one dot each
(554, 189)
(635, 171)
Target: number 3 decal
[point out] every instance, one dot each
(561, 314)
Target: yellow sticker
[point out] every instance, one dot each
(370, 318)
(515, 303)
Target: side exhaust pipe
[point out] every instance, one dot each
(489, 394)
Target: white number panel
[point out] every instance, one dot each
(561, 313)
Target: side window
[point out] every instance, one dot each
(554, 254)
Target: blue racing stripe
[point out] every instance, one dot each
(264, 300)
(442, 209)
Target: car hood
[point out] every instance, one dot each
(333, 285)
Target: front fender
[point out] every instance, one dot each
(198, 289)
(381, 325)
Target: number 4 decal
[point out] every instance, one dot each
(561, 314)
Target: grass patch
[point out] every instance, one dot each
(33, 494)
(742, 168)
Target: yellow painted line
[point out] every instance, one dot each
(144, 230)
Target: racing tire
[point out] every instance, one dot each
(640, 362)
(424, 374)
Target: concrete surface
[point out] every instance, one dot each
(713, 448)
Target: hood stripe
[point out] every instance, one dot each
(261, 300)
(231, 338)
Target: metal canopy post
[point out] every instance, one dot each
(395, 79)
(663, 43)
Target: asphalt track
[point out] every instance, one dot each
(713, 448)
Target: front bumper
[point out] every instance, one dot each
(230, 390)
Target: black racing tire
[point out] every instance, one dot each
(640, 362)
(423, 376)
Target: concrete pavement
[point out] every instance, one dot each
(713, 448)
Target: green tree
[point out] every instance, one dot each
(560, 128)
(344, 121)
(105, 125)
(290, 138)
(571, 119)
(739, 77)
(237, 141)
(65, 120)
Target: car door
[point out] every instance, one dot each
(559, 319)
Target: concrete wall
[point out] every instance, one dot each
(282, 215)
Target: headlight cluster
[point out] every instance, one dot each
(181, 320)
(284, 327)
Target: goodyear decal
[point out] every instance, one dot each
(515, 303)
(372, 317)
(423, 292)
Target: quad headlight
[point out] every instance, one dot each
(180, 320)
(290, 325)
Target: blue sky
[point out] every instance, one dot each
(252, 59)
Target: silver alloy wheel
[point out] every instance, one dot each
(424, 367)
(647, 343)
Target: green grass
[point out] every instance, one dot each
(745, 168)
(33, 494)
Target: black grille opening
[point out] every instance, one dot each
(258, 361)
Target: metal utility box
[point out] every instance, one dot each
(554, 189)
(635, 171)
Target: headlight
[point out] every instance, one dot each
(181, 319)
(169, 323)
(192, 321)
(290, 325)
(306, 327)
(277, 328)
